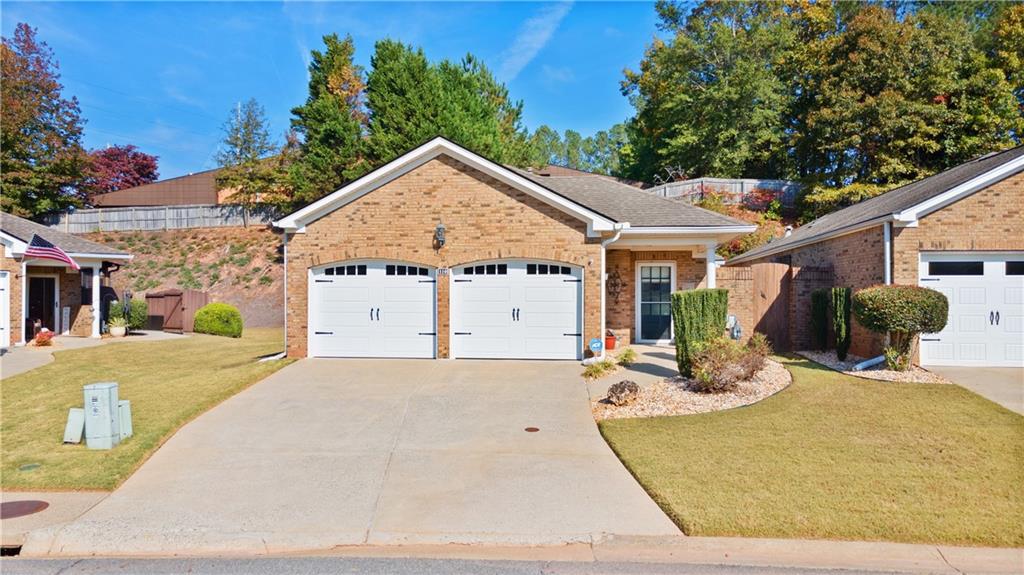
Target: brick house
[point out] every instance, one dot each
(443, 253)
(50, 292)
(960, 231)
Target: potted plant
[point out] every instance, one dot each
(118, 326)
(609, 340)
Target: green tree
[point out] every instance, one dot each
(411, 100)
(599, 153)
(331, 124)
(244, 157)
(710, 100)
(42, 162)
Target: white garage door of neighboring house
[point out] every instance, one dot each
(372, 309)
(5, 309)
(517, 309)
(986, 308)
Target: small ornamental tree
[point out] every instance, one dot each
(902, 312)
(841, 320)
(698, 315)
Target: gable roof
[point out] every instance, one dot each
(602, 203)
(624, 203)
(903, 205)
(22, 230)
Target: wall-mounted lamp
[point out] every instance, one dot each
(439, 236)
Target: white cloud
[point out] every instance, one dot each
(533, 35)
(176, 79)
(562, 74)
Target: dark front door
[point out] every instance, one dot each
(42, 304)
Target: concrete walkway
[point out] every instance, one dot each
(16, 360)
(1003, 385)
(349, 452)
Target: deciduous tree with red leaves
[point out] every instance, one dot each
(119, 167)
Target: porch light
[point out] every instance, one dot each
(439, 235)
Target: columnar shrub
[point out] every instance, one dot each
(137, 312)
(841, 320)
(698, 315)
(819, 318)
(901, 312)
(219, 319)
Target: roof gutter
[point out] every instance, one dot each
(813, 239)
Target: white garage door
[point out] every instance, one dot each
(517, 309)
(372, 309)
(986, 309)
(5, 310)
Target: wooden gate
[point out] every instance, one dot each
(771, 302)
(173, 316)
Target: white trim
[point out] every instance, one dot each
(887, 242)
(56, 302)
(24, 302)
(5, 310)
(97, 270)
(284, 238)
(813, 240)
(403, 164)
(916, 212)
(691, 230)
(909, 217)
(604, 280)
(636, 300)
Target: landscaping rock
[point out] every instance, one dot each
(623, 393)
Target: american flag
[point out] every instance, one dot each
(41, 249)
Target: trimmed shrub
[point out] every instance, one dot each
(137, 312)
(219, 319)
(721, 363)
(841, 320)
(698, 315)
(819, 318)
(901, 312)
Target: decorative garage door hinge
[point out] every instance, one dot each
(463, 333)
(573, 334)
(324, 281)
(428, 281)
(462, 280)
(573, 281)
(428, 333)
(323, 333)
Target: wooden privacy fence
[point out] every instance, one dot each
(732, 191)
(153, 218)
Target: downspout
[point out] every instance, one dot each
(887, 249)
(284, 243)
(604, 278)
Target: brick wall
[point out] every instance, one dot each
(484, 218)
(13, 269)
(989, 220)
(621, 316)
(740, 283)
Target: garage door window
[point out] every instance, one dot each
(956, 268)
(1015, 268)
(356, 270)
(395, 270)
(488, 270)
(546, 269)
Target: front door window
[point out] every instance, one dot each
(655, 302)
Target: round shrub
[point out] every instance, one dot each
(219, 319)
(902, 312)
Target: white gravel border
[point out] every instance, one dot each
(877, 373)
(673, 396)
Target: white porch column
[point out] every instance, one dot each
(709, 265)
(96, 299)
(24, 301)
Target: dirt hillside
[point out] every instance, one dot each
(240, 266)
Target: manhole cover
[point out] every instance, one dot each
(532, 429)
(12, 509)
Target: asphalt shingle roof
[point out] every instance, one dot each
(624, 203)
(23, 230)
(891, 202)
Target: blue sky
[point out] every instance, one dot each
(164, 76)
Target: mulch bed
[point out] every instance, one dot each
(674, 396)
(878, 372)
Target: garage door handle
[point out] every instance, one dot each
(997, 318)
(378, 314)
(991, 317)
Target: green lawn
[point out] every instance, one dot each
(838, 457)
(168, 383)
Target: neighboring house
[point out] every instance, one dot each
(48, 291)
(960, 231)
(443, 253)
(199, 188)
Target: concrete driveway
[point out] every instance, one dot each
(1003, 385)
(342, 452)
